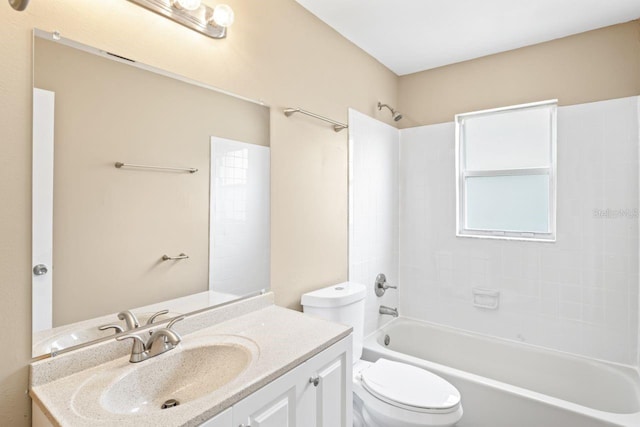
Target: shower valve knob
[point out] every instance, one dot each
(381, 285)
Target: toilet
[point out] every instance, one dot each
(385, 393)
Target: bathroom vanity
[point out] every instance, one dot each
(311, 394)
(242, 363)
(248, 363)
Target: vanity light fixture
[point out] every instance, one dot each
(212, 22)
(19, 5)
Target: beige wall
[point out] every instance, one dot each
(277, 52)
(112, 226)
(592, 66)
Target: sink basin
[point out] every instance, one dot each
(181, 376)
(195, 369)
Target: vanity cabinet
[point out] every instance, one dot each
(325, 389)
(280, 386)
(223, 419)
(315, 394)
(274, 405)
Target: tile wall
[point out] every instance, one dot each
(239, 241)
(579, 294)
(373, 210)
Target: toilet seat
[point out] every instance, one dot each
(409, 387)
(374, 411)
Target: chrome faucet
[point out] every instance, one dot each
(155, 316)
(388, 310)
(130, 320)
(163, 339)
(160, 341)
(113, 326)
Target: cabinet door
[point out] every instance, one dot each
(274, 405)
(296, 400)
(223, 419)
(38, 418)
(325, 398)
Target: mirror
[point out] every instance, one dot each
(150, 192)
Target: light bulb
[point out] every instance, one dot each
(187, 4)
(223, 15)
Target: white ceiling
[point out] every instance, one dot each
(414, 35)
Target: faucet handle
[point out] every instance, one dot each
(153, 318)
(130, 319)
(163, 339)
(381, 285)
(174, 321)
(114, 326)
(169, 325)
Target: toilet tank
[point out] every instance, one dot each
(342, 303)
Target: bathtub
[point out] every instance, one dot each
(509, 384)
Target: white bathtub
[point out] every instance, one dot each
(508, 384)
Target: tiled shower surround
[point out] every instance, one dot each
(373, 210)
(578, 294)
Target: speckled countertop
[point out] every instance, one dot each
(277, 338)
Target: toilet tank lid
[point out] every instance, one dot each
(335, 296)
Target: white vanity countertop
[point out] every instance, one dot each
(283, 339)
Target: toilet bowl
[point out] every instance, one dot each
(386, 393)
(395, 394)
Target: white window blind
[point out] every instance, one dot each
(505, 163)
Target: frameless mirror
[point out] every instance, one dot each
(150, 193)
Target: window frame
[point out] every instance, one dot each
(462, 173)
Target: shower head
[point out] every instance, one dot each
(394, 114)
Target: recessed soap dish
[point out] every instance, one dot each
(488, 299)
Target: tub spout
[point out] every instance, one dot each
(388, 310)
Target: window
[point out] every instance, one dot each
(505, 171)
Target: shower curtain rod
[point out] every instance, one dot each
(337, 126)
